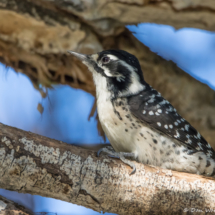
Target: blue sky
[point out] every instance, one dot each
(65, 115)
(66, 110)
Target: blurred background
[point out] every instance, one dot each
(66, 110)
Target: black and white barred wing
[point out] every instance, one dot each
(150, 107)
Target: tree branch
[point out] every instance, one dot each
(107, 17)
(30, 163)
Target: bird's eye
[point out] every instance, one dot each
(105, 59)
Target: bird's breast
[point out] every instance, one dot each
(114, 125)
(128, 134)
(125, 132)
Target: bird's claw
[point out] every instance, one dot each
(120, 155)
(133, 171)
(99, 152)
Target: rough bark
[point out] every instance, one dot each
(34, 164)
(8, 207)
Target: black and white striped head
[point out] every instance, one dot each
(115, 71)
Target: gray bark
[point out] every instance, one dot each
(30, 163)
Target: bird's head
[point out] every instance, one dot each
(115, 71)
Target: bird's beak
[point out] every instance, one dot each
(81, 57)
(88, 60)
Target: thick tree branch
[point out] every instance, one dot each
(107, 17)
(30, 163)
(36, 34)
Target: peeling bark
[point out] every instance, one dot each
(30, 163)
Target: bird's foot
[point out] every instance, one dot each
(120, 155)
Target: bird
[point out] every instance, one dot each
(139, 122)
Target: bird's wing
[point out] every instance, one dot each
(150, 107)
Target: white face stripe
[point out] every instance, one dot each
(94, 57)
(107, 71)
(112, 57)
(129, 67)
(135, 86)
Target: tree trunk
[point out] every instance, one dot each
(30, 163)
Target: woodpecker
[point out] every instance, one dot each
(140, 124)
